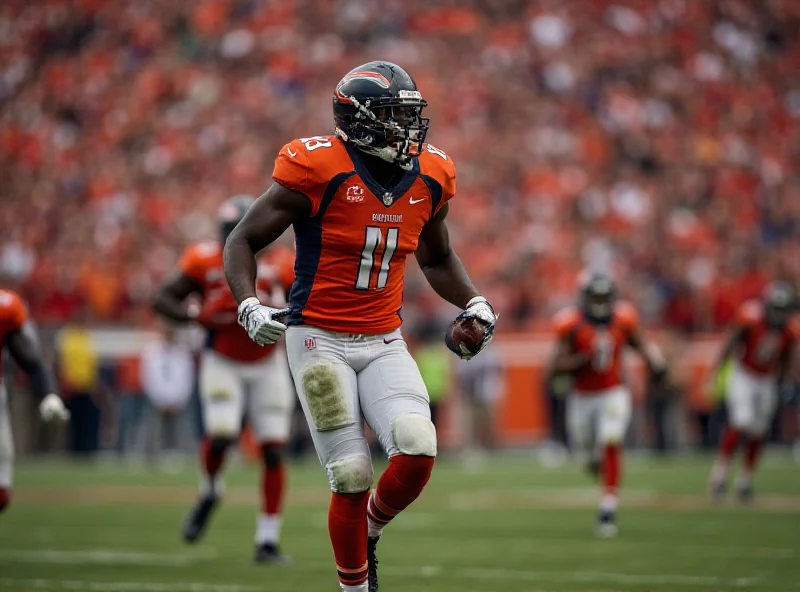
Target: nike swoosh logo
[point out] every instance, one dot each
(388, 341)
(291, 153)
(412, 201)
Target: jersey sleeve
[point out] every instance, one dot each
(748, 314)
(193, 263)
(438, 169)
(627, 317)
(13, 313)
(303, 167)
(564, 322)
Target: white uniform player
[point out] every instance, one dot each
(17, 336)
(238, 380)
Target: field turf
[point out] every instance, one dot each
(512, 526)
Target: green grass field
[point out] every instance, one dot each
(513, 527)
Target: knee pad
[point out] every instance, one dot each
(350, 475)
(414, 435)
(217, 446)
(272, 455)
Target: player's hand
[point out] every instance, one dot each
(52, 409)
(480, 309)
(259, 321)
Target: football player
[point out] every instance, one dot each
(591, 340)
(237, 377)
(360, 202)
(18, 337)
(760, 343)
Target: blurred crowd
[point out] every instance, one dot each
(657, 138)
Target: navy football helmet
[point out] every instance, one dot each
(378, 109)
(231, 212)
(779, 303)
(597, 296)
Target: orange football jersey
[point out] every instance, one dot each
(762, 346)
(203, 263)
(12, 316)
(603, 344)
(351, 251)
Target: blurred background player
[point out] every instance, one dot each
(760, 345)
(360, 202)
(592, 338)
(18, 337)
(237, 377)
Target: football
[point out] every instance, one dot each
(467, 335)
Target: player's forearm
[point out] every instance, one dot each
(240, 267)
(171, 308)
(42, 380)
(449, 279)
(568, 364)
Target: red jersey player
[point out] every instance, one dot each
(591, 340)
(360, 202)
(760, 343)
(18, 337)
(237, 377)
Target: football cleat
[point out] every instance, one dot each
(372, 564)
(716, 490)
(270, 554)
(744, 492)
(196, 521)
(606, 525)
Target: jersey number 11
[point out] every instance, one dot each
(373, 237)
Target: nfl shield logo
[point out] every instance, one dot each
(388, 199)
(311, 343)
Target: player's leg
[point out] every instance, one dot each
(6, 452)
(269, 411)
(395, 404)
(739, 404)
(579, 419)
(613, 420)
(327, 388)
(764, 406)
(221, 399)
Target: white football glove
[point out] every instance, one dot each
(52, 409)
(259, 321)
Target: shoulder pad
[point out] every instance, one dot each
(625, 314)
(307, 165)
(196, 258)
(750, 313)
(436, 165)
(12, 310)
(565, 321)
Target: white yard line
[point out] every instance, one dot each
(120, 557)
(555, 577)
(90, 586)
(103, 557)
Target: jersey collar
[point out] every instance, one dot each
(386, 195)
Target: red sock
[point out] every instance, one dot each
(400, 484)
(612, 468)
(272, 480)
(751, 453)
(5, 498)
(728, 444)
(347, 525)
(211, 460)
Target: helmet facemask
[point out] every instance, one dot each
(392, 129)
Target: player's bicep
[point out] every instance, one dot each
(434, 240)
(270, 216)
